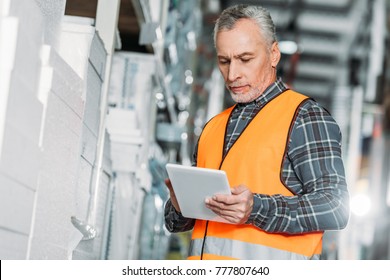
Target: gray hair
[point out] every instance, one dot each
(260, 15)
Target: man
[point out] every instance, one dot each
(280, 150)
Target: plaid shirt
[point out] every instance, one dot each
(313, 170)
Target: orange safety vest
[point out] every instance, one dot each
(255, 160)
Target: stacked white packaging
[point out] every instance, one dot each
(20, 121)
(126, 142)
(60, 141)
(129, 127)
(49, 129)
(83, 49)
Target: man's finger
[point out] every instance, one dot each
(168, 184)
(224, 198)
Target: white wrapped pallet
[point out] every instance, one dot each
(83, 49)
(20, 159)
(18, 214)
(97, 55)
(20, 122)
(75, 42)
(126, 140)
(126, 217)
(20, 42)
(53, 12)
(61, 142)
(8, 36)
(88, 145)
(24, 111)
(13, 245)
(93, 96)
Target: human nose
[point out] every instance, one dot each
(233, 72)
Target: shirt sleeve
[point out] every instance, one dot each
(314, 161)
(174, 221)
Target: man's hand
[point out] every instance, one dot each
(236, 207)
(172, 195)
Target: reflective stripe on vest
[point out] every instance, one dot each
(255, 160)
(241, 250)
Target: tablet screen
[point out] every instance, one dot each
(192, 185)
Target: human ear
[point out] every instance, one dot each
(275, 54)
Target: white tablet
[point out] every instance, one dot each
(192, 185)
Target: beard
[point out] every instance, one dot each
(246, 97)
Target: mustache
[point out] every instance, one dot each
(237, 84)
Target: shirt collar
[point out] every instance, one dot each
(269, 93)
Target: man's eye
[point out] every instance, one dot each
(245, 60)
(223, 62)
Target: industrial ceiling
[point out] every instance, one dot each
(333, 36)
(330, 35)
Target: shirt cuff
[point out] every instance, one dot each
(260, 210)
(171, 210)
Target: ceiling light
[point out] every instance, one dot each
(360, 205)
(288, 47)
